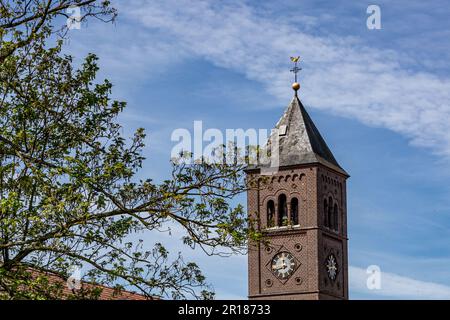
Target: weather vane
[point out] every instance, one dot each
(295, 70)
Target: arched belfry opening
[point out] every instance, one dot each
(335, 218)
(270, 214)
(330, 213)
(282, 210)
(294, 211)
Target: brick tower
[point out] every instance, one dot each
(301, 210)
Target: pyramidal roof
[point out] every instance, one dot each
(299, 140)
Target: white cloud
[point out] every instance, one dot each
(396, 286)
(342, 75)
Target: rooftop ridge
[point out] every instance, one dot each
(300, 142)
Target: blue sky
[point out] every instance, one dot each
(381, 99)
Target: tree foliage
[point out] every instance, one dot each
(69, 192)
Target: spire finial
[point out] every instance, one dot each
(295, 70)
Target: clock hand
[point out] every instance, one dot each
(280, 267)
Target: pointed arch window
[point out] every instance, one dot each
(325, 212)
(282, 210)
(335, 217)
(330, 213)
(294, 211)
(270, 214)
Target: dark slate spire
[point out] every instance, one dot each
(299, 140)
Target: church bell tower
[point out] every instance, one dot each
(301, 210)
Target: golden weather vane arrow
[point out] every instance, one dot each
(295, 70)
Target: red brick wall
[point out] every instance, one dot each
(310, 243)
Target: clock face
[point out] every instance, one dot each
(283, 265)
(332, 267)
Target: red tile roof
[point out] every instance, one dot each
(107, 293)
